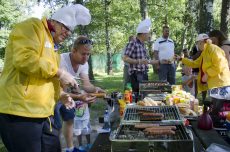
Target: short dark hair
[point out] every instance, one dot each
(81, 40)
(165, 26)
(219, 35)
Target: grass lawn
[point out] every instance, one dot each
(114, 82)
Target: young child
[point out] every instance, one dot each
(188, 80)
(82, 125)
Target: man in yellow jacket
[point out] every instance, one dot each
(30, 81)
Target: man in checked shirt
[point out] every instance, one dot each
(136, 56)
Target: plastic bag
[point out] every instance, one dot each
(217, 148)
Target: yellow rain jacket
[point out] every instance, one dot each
(214, 64)
(28, 86)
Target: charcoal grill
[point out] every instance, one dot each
(127, 138)
(171, 114)
(157, 97)
(154, 87)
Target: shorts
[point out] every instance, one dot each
(82, 127)
(67, 114)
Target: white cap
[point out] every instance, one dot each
(201, 37)
(72, 16)
(144, 26)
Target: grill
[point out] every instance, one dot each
(147, 87)
(157, 97)
(130, 139)
(171, 114)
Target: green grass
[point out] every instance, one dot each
(114, 82)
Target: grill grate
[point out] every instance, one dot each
(170, 113)
(129, 132)
(154, 87)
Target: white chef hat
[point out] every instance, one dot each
(144, 26)
(72, 16)
(201, 37)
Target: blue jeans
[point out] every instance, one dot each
(126, 76)
(57, 116)
(136, 78)
(167, 72)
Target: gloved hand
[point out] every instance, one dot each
(99, 90)
(67, 100)
(67, 79)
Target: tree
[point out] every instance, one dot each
(143, 9)
(206, 16)
(225, 12)
(107, 38)
(11, 12)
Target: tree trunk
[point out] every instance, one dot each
(107, 40)
(83, 31)
(143, 9)
(225, 12)
(206, 16)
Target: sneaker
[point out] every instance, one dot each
(74, 150)
(88, 146)
(82, 149)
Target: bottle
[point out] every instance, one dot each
(129, 88)
(106, 121)
(127, 97)
(191, 104)
(196, 105)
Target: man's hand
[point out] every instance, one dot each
(87, 98)
(178, 57)
(99, 90)
(67, 100)
(143, 61)
(156, 62)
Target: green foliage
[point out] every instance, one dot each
(11, 12)
(123, 19)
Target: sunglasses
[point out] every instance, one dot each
(86, 41)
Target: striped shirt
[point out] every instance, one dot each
(136, 50)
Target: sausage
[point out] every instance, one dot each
(153, 114)
(150, 118)
(160, 128)
(98, 95)
(140, 111)
(160, 132)
(143, 125)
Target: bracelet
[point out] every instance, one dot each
(139, 61)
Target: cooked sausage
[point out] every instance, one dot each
(144, 125)
(160, 128)
(153, 114)
(160, 132)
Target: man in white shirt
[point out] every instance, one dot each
(75, 62)
(164, 52)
